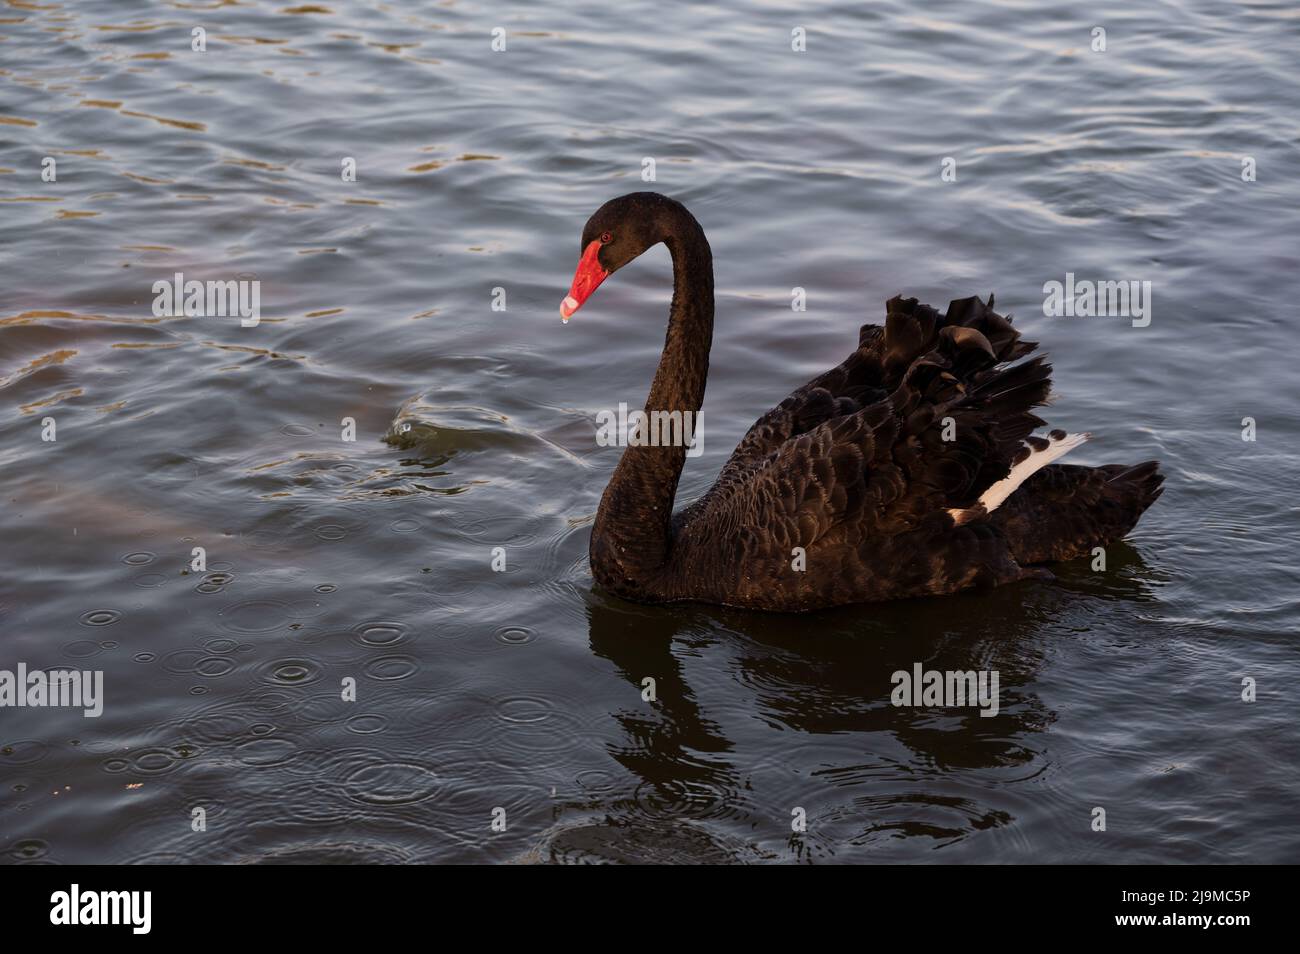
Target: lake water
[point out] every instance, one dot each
(521, 690)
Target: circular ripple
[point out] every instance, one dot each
(144, 657)
(495, 527)
(183, 660)
(297, 430)
(533, 726)
(391, 783)
(264, 752)
(220, 645)
(331, 531)
(324, 709)
(103, 617)
(326, 588)
(255, 616)
(233, 720)
(525, 710)
(392, 668)
(367, 723)
(214, 666)
(452, 630)
(139, 558)
(149, 580)
(405, 526)
(381, 633)
(81, 648)
(24, 752)
(219, 578)
(28, 849)
(708, 797)
(291, 672)
(515, 635)
(161, 760)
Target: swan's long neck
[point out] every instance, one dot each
(632, 536)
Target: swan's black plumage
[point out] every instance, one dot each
(853, 469)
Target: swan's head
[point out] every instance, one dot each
(620, 230)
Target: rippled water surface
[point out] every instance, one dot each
(522, 690)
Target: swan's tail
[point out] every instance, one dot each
(1038, 453)
(1064, 511)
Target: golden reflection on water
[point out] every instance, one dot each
(44, 361)
(178, 123)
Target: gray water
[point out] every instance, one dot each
(521, 690)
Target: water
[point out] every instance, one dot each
(522, 690)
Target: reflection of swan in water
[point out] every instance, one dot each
(872, 776)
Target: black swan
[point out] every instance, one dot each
(908, 470)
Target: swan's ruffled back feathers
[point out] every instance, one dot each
(861, 466)
(916, 348)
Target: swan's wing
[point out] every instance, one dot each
(955, 424)
(867, 376)
(844, 390)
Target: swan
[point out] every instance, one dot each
(911, 469)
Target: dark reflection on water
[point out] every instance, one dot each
(831, 676)
(519, 689)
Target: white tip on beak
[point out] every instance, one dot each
(568, 307)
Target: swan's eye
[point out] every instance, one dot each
(606, 238)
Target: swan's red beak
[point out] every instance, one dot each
(585, 280)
